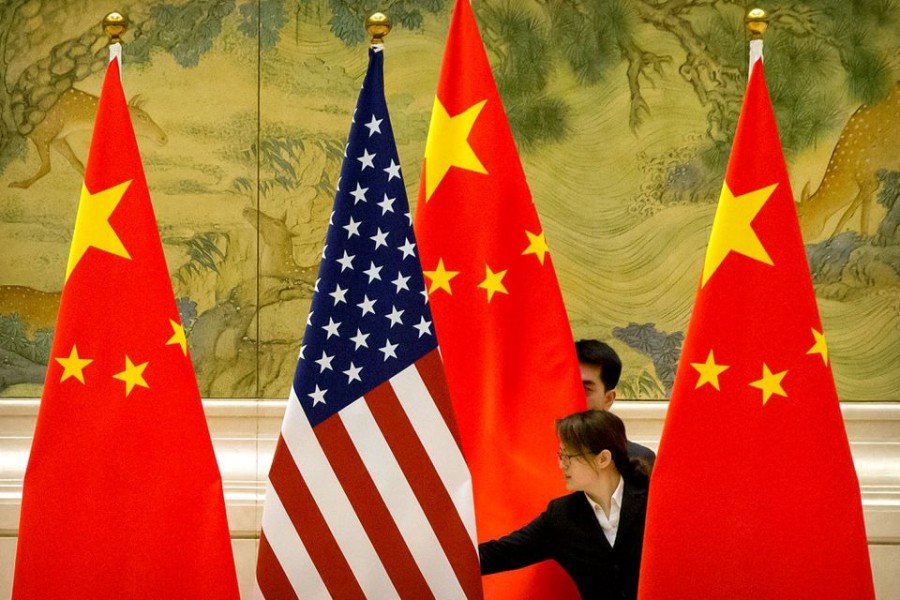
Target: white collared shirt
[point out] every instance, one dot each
(610, 523)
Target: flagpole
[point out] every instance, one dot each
(115, 24)
(756, 21)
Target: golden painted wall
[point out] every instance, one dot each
(623, 111)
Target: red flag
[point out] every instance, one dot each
(754, 494)
(122, 495)
(369, 495)
(498, 312)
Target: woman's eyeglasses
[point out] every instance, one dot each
(565, 458)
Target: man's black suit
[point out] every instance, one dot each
(568, 532)
(635, 450)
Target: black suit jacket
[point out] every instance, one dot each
(568, 532)
(635, 450)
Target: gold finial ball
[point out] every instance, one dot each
(114, 25)
(378, 26)
(757, 21)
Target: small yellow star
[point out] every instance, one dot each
(770, 383)
(74, 365)
(820, 347)
(732, 229)
(440, 278)
(493, 282)
(448, 146)
(709, 371)
(178, 336)
(92, 227)
(537, 245)
(132, 375)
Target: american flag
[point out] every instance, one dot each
(369, 495)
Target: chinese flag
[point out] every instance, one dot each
(122, 495)
(754, 494)
(499, 316)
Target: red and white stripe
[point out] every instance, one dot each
(375, 502)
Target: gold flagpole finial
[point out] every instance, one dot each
(114, 26)
(757, 20)
(378, 26)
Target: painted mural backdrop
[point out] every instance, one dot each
(623, 111)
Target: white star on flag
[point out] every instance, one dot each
(374, 126)
(393, 170)
(367, 160)
(359, 195)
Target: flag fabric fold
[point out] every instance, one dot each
(499, 315)
(754, 493)
(369, 495)
(122, 495)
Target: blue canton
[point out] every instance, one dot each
(369, 317)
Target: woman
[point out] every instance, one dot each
(595, 533)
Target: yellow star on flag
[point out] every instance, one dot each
(770, 383)
(820, 347)
(493, 282)
(732, 230)
(537, 245)
(709, 371)
(73, 365)
(132, 375)
(92, 228)
(448, 146)
(440, 278)
(178, 336)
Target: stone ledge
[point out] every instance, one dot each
(244, 432)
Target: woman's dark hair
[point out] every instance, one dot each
(593, 431)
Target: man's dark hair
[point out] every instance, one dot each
(601, 354)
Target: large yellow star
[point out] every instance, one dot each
(448, 146)
(732, 230)
(770, 383)
(709, 371)
(440, 278)
(132, 375)
(493, 282)
(92, 228)
(178, 336)
(820, 347)
(537, 245)
(74, 365)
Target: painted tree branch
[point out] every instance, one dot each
(715, 84)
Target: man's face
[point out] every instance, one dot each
(596, 394)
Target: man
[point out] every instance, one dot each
(600, 371)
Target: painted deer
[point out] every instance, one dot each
(276, 251)
(38, 309)
(75, 111)
(867, 143)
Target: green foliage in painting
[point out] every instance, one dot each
(334, 153)
(889, 197)
(203, 253)
(281, 161)
(643, 387)
(809, 45)
(521, 61)
(278, 164)
(266, 17)
(663, 350)
(12, 333)
(186, 31)
(14, 338)
(348, 16)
